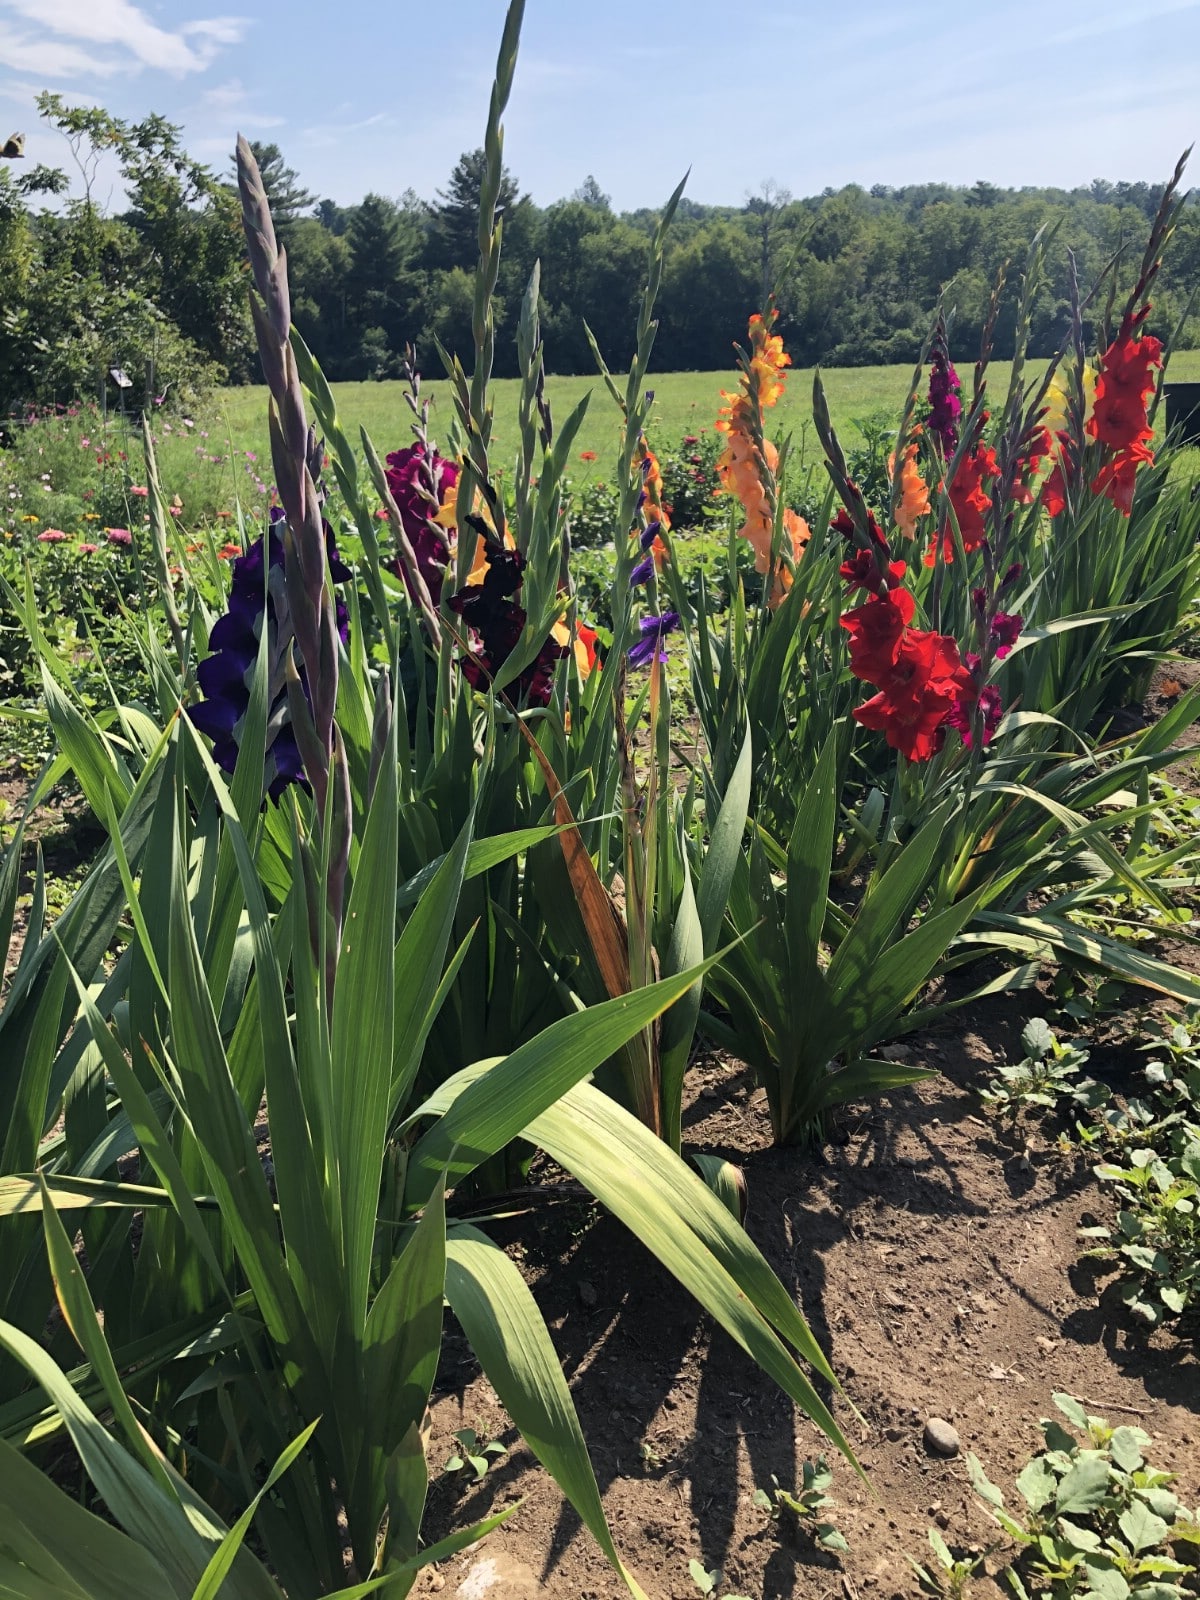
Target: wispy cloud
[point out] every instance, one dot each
(1102, 21)
(232, 103)
(85, 38)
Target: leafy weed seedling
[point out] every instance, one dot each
(472, 1455)
(947, 1575)
(801, 1512)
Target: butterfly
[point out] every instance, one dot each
(14, 147)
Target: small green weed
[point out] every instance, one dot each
(708, 1579)
(948, 1575)
(1156, 1174)
(801, 1511)
(472, 1455)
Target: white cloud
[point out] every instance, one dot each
(116, 30)
(49, 58)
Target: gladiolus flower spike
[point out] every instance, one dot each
(227, 673)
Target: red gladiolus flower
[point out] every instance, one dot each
(1054, 490)
(922, 689)
(1025, 467)
(586, 640)
(861, 571)
(1116, 477)
(971, 502)
(875, 630)
(1123, 385)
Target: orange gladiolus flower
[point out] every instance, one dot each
(740, 466)
(914, 492)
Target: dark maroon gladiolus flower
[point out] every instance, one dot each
(1005, 630)
(412, 478)
(496, 622)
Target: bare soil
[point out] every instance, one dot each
(937, 1263)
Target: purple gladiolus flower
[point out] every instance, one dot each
(649, 533)
(257, 600)
(654, 630)
(641, 573)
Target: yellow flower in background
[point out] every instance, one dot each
(1056, 399)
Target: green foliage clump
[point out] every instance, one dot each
(1098, 1519)
(1153, 1165)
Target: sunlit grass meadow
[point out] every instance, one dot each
(685, 402)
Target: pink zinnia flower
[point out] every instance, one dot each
(88, 549)
(118, 536)
(52, 536)
(139, 490)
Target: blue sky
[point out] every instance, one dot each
(366, 95)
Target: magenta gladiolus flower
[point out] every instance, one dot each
(945, 406)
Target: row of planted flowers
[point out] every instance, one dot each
(421, 879)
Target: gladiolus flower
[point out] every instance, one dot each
(1116, 478)
(914, 492)
(922, 689)
(227, 673)
(971, 502)
(945, 407)
(875, 630)
(740, 466)
(1005, 631)
(1124, 384)
(412, 480)
(653, 630)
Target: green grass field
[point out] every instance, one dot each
(685, 402)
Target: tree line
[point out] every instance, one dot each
(159, 287)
